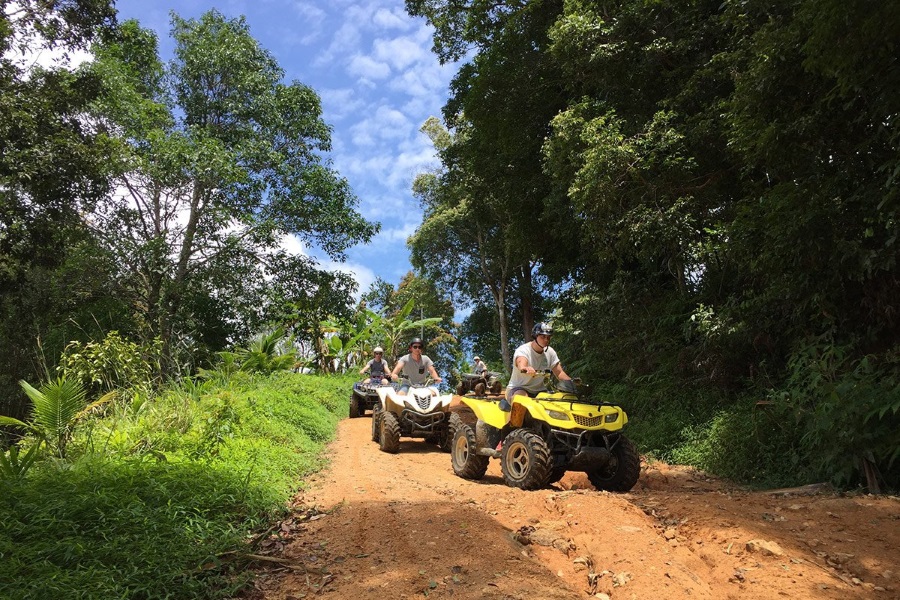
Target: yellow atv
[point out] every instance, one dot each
(541, 438)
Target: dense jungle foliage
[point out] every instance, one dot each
(702, 196)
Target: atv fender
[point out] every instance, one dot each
(488, 411)
(547, 410)
(388, 396)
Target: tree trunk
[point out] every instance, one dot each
(500, 298)
(172, 302)
(526, 291)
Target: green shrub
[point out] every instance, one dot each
(112, 363)
(158, 498)
(847, 409)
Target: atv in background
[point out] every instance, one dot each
(365, 396)
(480, 385)
(541, 438)
(420, 414)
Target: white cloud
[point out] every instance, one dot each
(363, 275)
(367, 68)
(391, 19)
(293, 245)
(346, 37)
(400, 52)
(386, 123)
(313, 16)
(339, 103)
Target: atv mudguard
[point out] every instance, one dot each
(576, 415)
(389, 396)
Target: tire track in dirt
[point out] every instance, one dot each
(404, 526)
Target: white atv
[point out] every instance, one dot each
(422, 413)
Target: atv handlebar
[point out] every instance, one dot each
(538, 372)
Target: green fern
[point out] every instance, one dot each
(57, 406)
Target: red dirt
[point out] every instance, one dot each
(377, 526)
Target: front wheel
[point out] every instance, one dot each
(454, 423)
(376, 422)
(390, 433)
(621, 472)
(525, 460)
(466, 463)
(556, 473)
(354, 406)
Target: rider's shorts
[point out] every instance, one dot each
(506, 403)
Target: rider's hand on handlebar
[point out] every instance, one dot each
(529, 370)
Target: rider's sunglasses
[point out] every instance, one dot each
(379, 353)
(417, 347)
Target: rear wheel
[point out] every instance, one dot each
(525, 460)
(466, 463)
(390, 433)
(354, 406)
(621, 472)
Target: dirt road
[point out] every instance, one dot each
(378, 526)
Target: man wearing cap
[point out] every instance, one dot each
(377, 367)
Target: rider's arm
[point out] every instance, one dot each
(397, 368)
(434, 374)
(522, 364)
(558, 371)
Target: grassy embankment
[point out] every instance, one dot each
(155, 492)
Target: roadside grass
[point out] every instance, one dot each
(160, 496)
(726, 437)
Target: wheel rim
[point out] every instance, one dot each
(461, 450)
(609, 471)
(518, 460)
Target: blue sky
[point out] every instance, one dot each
(372, 65)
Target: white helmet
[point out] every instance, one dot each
(378, 350)
(477, 359)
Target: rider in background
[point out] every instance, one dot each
(415, 368)
(530, 359)
(377, 367)
(480, 367)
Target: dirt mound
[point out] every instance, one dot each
(381, 526)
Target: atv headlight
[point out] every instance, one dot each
(611, 417)
(559, 416)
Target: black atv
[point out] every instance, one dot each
(364, 397)
(480, 385)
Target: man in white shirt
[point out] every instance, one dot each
(530, 360)
(480, 367)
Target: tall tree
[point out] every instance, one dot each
(455, 223)
(502, 100)
(52, 170)
(220, 160)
